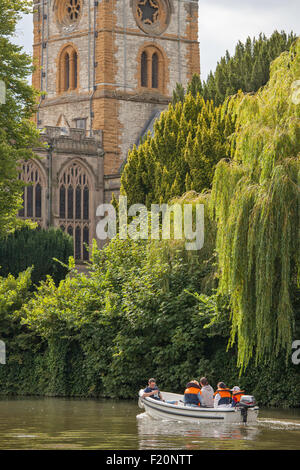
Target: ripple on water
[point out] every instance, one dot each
(279, 424)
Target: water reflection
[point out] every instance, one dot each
(59, 423)
(159, 434)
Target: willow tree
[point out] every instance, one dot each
(255, 202)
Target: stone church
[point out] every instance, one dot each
(107, 69)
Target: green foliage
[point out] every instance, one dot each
(248, 69)
(193, 135)
(37, 248)
(255, 200)
(150, 308)
(133, 317)
(18, 134)
(189, 139)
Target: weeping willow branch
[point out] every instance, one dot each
(255, 202)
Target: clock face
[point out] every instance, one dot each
(68, 13)
(151, 16)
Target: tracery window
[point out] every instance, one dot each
(33, 191)
(74, 207)
(68, 69)
(68, 12)
(152, 16)
(148, 11)
(152, 68)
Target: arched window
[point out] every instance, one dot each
(75, 69)
(68, 69)
(152, 69)
(144, 74)
(33, 192)
(155, 70)
(74, 207)
(67, 72)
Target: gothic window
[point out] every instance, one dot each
(73, 9)
(148, 11)
(152, 16)
(75, 69)
(74, 207)
(33, 192)
(155, 70)
(70, 230)
(144, 80)
(86, 203)
(78, 242)
(152, 69)
(85, 242)
(68, 70)
(68, 13)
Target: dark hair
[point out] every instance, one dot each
(221, 385)
(204, 381)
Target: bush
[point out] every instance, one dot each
(37, 248)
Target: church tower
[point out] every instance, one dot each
(111, 66)
(106, 69)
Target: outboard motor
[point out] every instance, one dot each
(246, 401)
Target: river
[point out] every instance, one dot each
(60, 423)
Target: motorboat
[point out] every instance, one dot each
(174, 408)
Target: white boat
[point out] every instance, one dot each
(246, 412)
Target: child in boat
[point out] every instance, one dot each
(192, 394)
(236, 395)
(222, 396)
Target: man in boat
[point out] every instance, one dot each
(207, 393)
(236, 395)
(222, 396)
(192, 394)
(152, 391)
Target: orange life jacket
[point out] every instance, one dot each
(225, 395)
(191, 395)
(237, 395)
(223, 392)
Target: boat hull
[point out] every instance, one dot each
(162, 410)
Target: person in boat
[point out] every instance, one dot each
(222, 396)
(236, 395)
(207, 393)
(192, 394)
(152, 391)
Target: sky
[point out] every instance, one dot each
(222, 23)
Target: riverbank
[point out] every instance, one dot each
(34, 375)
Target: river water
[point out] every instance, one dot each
(59, 423)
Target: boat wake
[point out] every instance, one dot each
(278, 423)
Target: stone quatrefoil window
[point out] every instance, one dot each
(152, 16)
(68, 12)
(74, 207)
